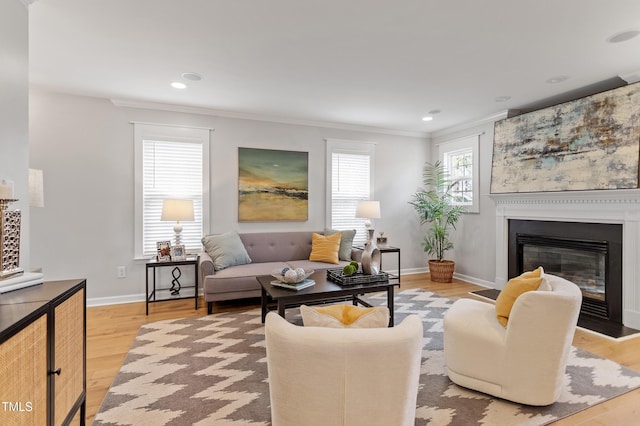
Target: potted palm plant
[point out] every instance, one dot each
(434, 206)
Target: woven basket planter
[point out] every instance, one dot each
(442, 272)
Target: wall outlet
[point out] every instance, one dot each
(122, 271)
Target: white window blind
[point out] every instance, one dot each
(171, 163)
(350, 174)
(171, 170)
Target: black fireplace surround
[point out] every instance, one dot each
(588, 254)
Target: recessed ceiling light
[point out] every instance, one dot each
(623, 36)
(427, 118)
(178, 85)
(502, 98)
(193, 76)
(558, 79)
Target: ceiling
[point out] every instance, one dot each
(343, 63)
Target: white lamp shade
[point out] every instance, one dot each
(368, 209)
(177, 210)
(36, 188)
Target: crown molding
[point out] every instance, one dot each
(129, 103)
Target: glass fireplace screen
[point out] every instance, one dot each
(584, 268)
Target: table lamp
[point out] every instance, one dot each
(368, 210)
(178, 210)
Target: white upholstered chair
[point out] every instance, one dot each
(524, 362)
(328, 376)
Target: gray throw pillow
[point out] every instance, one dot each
(346, 242)
(225, 250)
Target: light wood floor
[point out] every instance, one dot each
(112, 329)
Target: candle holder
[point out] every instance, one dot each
(9, 240)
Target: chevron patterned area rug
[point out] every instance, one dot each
(212, 371)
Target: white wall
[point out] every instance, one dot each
(85, 147)
(474, 238)
(14, 127)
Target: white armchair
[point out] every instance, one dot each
(524, 362)
(329, 376)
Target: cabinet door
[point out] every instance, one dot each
(68, 355)
(23, 374)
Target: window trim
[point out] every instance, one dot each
(464, 143)
(172, 133)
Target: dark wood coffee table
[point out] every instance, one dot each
(323, 291)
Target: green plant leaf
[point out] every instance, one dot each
(434, 207)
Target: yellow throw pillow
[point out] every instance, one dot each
(325, 249)
(528, 281)
(345, 316)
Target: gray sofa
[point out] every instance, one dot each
(268, 251)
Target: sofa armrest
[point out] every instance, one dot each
(205, 265)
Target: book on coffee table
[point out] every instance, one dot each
(294, 286)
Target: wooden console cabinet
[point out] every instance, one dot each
(43, 354)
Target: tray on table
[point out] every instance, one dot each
(338, 277)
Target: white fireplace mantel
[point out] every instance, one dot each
(607, 206)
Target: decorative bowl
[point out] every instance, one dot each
(291, 276)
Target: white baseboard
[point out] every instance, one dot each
(414, 271)
(467, 278)
(115, 300)
(473, 280)
(119, 300)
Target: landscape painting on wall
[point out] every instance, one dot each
(272, 185)
(588, 144)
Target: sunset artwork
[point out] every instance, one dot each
(272, 185)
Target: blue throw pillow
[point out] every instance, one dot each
(346, 242)
(225, 250)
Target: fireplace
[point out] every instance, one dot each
(587, 254)
(619, 207)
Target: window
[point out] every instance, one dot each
(460, 167)
(349, 180)
(460, 158)
(171, 162)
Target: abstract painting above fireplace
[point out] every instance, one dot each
(587, 144)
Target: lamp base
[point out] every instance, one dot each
(371, 256)
(177, 229)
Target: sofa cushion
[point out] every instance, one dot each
(277, 246)
(225, 250)
(251, 269)
(316, 266)
(237, 285)
(325, 249)
(528, 281)
(345, 316)
(346, 242)
(238, 279)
